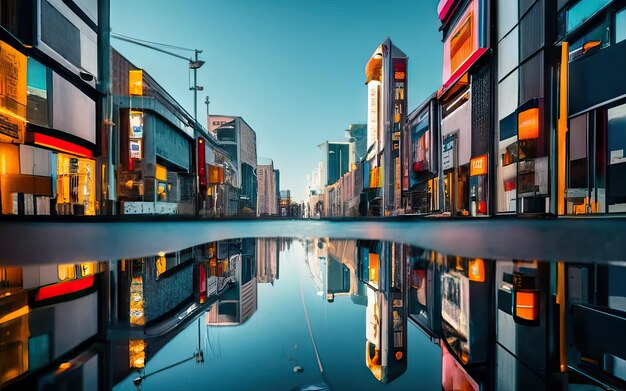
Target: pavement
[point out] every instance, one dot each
(547, 239)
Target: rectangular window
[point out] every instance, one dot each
(531, 74)
(420, 151)
(60, 34)
(66, 272)
(620, 25)
(508, 56)
(531, 30)
(617, 134)
(507, 17)
(37, 93)
(581, 12)
(73, 111)
(578, 152)
(507, 169)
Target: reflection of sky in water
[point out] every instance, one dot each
(262, 353)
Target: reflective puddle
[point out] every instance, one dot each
(313, 314)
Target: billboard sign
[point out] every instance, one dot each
(135, 149)
(462, 47)
(136, 124)
(13, 65)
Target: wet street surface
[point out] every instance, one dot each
(333, 307)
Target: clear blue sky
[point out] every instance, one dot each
(293, 69)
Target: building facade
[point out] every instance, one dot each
(421, 146)
(524, 120)
(157, 145)
(266, 198)
(466, 100)
(591, 35)
(239, 140)
(386, 80)
(54, 75)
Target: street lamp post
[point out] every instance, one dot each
(195, 65)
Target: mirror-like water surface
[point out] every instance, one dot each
(313, 313)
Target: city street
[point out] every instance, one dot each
(313, 195)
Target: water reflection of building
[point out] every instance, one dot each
(45, 313)
(315, 258)
(341, 271)
(465, 307)
(384, 276)
(596, 311)
(150, 288)
(524, 304)
(239, 303)
(518, 325)
(267, 260)
(424, 290)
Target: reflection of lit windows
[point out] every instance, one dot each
(87, 268)
(66, 272)
(137, 353)
(373, 268)
(161, 265)
(136, 308)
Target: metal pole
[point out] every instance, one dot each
(195, 93)
(195, 132)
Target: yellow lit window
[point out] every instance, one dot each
(161, 265)
(66, 272)
(88, 268)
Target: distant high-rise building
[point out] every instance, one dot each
(239, 140)
(335, 162)
(357, 134)
(277, 176)
(266, 197)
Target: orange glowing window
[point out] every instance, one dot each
(66, 272)
(135, 82)
(375, 179)
(528, 124)
(216, 175)
(478, 165)
(161, 173)
(88, 268)
(373, 269)
(527, 305)
(476, 270)
(462, 42)
(161, 265)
